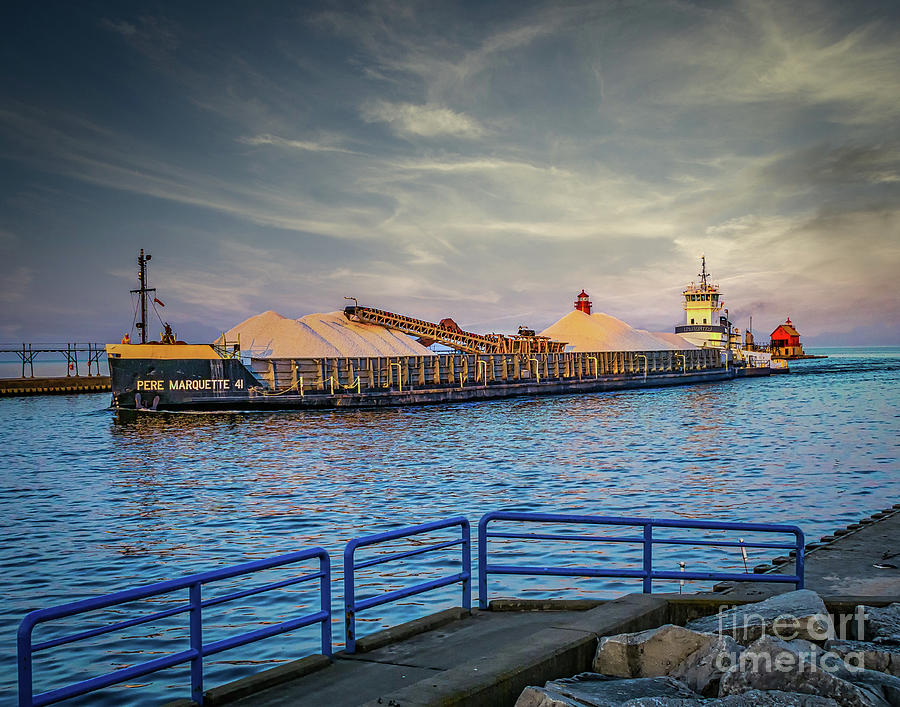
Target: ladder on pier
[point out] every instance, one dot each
(467, 342)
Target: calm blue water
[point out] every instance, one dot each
(91, 504)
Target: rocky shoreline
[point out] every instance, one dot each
(786, 650)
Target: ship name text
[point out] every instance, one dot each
(189, 384)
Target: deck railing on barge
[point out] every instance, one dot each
(346, 374)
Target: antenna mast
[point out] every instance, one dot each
(703, 274)
(143, 291)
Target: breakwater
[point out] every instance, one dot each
(57, 385)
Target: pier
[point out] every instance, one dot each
(488, 655)
(76, 355)
(60, 385)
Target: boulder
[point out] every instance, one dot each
(773, 664)
(593, 690)
(753, 698)
(798, 614)
(703, 669)
(647, 654)
(883, 625)
(882, 657)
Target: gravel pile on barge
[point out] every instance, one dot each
(603, 332)
(331, 334)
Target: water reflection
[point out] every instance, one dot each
(92, 502)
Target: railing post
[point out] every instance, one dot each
(799, 569)
(482, 562)
(467, 566)
(325, 601)
(23, 658)
(648, 558)
(349, 614)
(196, 623)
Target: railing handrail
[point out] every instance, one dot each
(646, 573)
(197, 650)
(351, 606)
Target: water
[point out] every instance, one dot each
(91, 504)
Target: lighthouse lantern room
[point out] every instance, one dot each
(583, 302)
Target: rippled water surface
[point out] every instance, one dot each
(92, 504)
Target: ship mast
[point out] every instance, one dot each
(143, 291)
(703, 274)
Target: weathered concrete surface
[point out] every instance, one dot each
(846, 565)
(486, 658)
(54, 386)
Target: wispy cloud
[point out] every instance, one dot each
(422, 120)
(301, 145)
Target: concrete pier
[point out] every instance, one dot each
(62, 385)
(488, 657)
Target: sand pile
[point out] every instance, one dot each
(602, 332)
(271, 335)
(679, 342)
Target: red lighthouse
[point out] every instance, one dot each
(583, 302)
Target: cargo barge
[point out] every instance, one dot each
(173, 375)
(206, 377)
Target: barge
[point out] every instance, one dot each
(174, 375)
(211, 377)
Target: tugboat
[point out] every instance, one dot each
(707, 325)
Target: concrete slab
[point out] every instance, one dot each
(470, 639)
(343, 683)
(845, 565)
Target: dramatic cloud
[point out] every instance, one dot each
(479, 161)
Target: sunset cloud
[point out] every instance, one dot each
(456, 160)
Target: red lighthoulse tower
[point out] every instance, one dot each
(583, 302)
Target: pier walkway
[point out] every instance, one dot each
(59, 385)
(488, 657)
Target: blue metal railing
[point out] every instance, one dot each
(198, 650)
(646, 539)
(352, 606)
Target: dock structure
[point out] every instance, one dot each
(61, 385)
(90, 354)
(488, 657)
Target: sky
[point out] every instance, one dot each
(483, 161)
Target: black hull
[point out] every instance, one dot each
(178, 384)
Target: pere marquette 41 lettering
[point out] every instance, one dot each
(189, 384)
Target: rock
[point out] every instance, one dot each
(697, 659)
(773, 664)
(753, 698)
(703, 669)
(648, 654)
(883, 625)
(593, 690)
(884, 658)
(798, 614)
